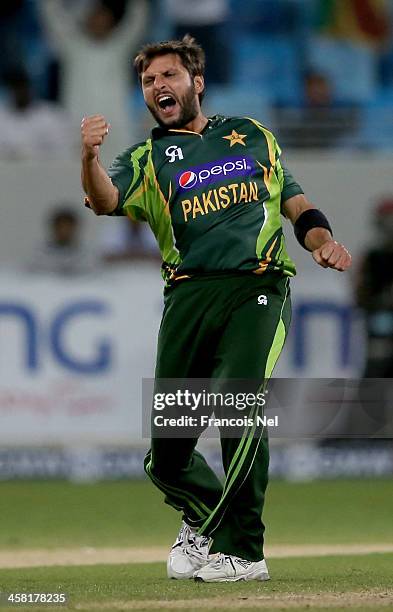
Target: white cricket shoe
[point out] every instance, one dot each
(228, 568)
(189, 553)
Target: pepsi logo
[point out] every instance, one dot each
(188, 179)
(213, 172)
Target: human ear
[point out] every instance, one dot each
(199, 84)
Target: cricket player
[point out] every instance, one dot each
(214, 192)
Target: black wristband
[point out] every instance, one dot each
(308, 220)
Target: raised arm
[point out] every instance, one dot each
(313, 232)
(131, 27)
(103, 196)
(59, 22)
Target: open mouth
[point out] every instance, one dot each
(166, 103)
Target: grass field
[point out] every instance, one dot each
(61, 516)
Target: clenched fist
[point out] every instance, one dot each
(332, 255)
(93, 132)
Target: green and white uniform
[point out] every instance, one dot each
(213, 201)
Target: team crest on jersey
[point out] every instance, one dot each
(235, 138)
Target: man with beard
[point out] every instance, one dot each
(212, 190)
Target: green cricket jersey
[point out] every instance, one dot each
(213, 200)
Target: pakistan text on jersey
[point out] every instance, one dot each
(216, 199)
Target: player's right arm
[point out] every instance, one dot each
(102, 194)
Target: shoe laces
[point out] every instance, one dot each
(200, 541)
(185, 535)
(189, 539)
(220, 559)
(197, 548)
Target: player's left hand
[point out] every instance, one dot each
(332, 255)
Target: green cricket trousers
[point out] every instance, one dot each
(230, 326)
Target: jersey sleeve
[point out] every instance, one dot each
(128, 173)
(289, 186)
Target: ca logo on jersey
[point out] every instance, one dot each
(174, 152)
(262, 299)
